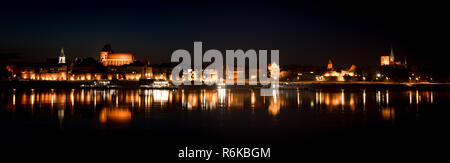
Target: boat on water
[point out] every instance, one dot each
(100, 84)
(156, 84)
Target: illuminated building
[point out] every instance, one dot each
(109, 58)
(330, 65)
(390, 60)
(384, 60)
(52, 73)
(62, 57)
(53, 69)
(134, 71)
(22, 72)
(332, 75)
(120, 66)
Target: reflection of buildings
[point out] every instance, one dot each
(387, 113)
(117, 115)
(121, 106)
(274, 106)
(205, 100)
(215, 99)
(334, 100)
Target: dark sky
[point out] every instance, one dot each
(306, 33)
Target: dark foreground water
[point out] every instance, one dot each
(155, 124)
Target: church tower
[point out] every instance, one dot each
(62, 57)
(330, 65)
(391, 56)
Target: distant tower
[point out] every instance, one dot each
(62, 57)
(405, 62)
(330, 65)
(391, 56)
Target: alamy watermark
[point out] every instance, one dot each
(268, 74)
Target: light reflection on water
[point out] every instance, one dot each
(120, 106)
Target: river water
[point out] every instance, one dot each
(172, 119)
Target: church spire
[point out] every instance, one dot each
(62, 53)
(62, 57)
(391, 56)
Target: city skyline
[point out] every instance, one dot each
(223, 80)
(95, 56)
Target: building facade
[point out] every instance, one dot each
(388, 60)
(109, 58)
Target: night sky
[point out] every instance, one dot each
(306, 33)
